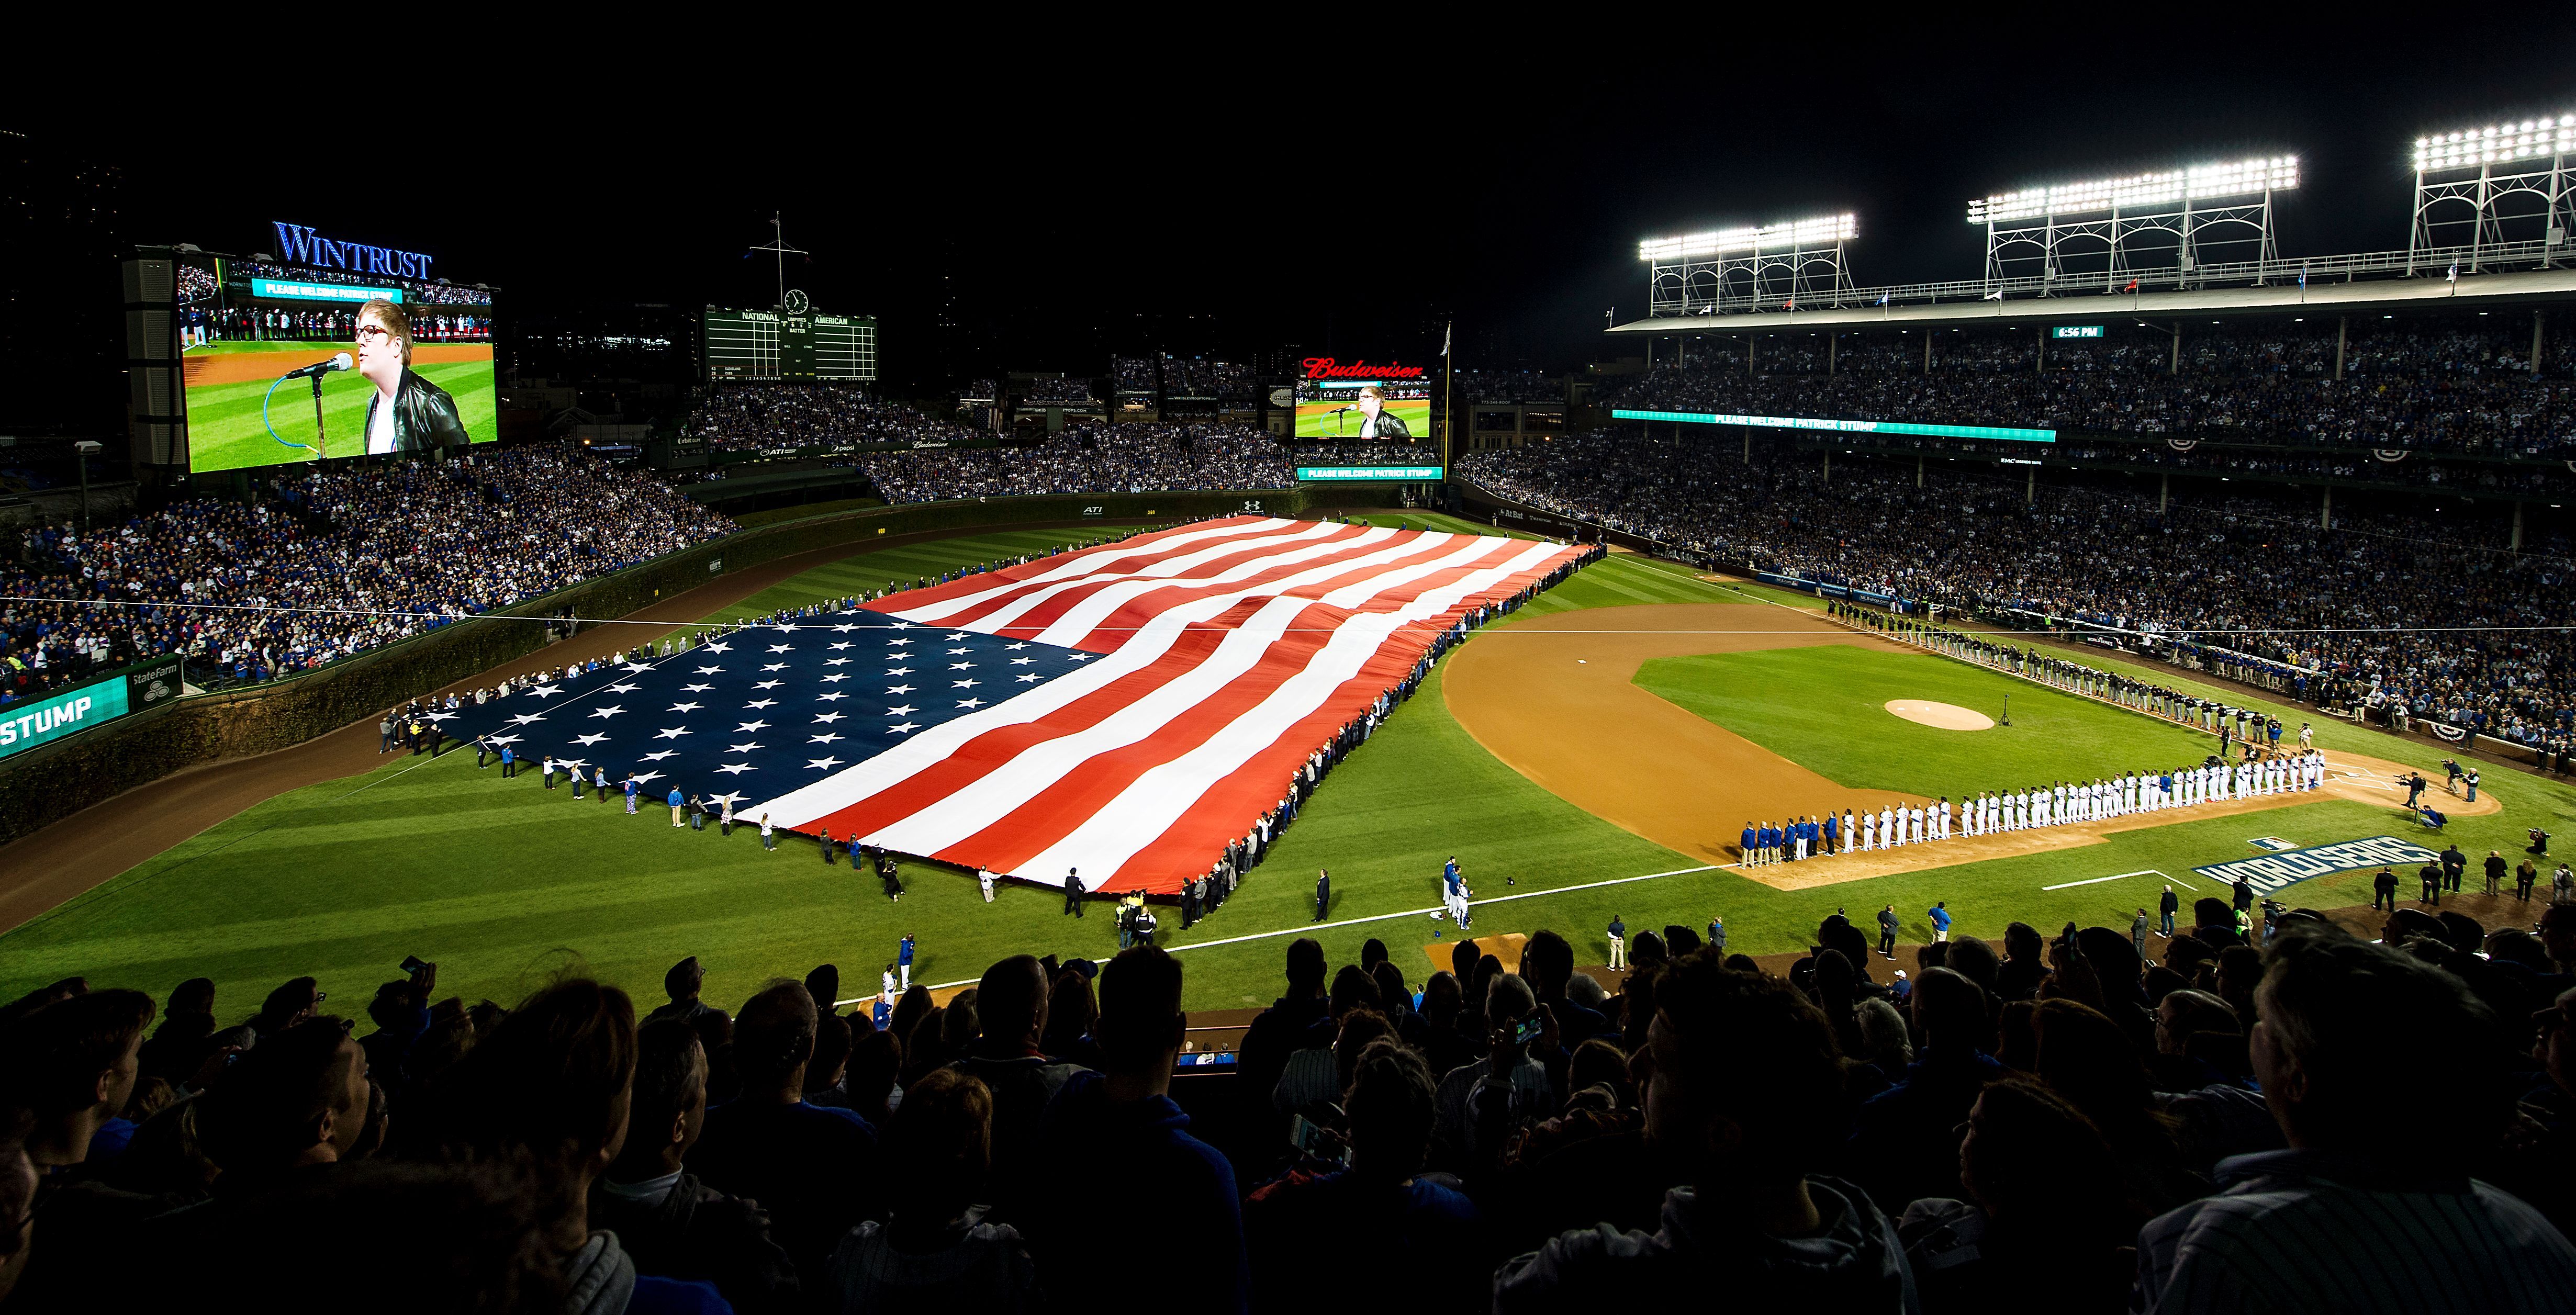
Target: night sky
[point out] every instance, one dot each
(1041, 205)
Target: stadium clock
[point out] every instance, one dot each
(794, 302)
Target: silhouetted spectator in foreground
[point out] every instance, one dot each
(1746, 1098)
(2347, 1220)
(935, 1252)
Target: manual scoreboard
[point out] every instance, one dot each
(796, 347)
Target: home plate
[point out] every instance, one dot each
(1946, 716)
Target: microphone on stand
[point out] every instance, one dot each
(320, 368)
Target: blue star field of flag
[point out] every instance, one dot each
(757, 712)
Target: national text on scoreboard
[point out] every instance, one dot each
(775, 346)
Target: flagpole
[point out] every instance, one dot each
(1448, 398)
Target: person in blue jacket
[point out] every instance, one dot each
(1939, 913)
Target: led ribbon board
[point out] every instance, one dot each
(1842, 426)
(39, 722)
(1350, 474)
(298, 290)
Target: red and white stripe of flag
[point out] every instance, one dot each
(1232, 650)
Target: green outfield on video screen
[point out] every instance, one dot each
(243, 323)
(1336, 409)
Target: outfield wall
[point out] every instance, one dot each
(47, 784)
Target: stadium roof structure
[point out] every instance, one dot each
(2431, 292)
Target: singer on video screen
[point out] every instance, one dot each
(407, 413)
(1381, 423)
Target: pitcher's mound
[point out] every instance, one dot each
(1947, 716)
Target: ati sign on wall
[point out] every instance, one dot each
(2274, 872)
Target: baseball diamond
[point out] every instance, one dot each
(1438, 676)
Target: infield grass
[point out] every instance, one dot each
(1824, 708)
(504, 883)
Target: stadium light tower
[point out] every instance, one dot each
(1750, 268)
(2101, 219)
(2498, 181)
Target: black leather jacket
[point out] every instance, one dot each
(424, 416)
(1391, 425)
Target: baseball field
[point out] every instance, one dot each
(1595, 753)
(226, 382)
(1343, 419)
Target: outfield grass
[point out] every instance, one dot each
(1315, 419)
(1825, 709)
(225, 431)
(503, 883)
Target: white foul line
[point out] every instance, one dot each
(1379, 917)
(2095, 881)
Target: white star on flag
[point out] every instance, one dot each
(753, 726)
(825, 764)
(586, 741)
(829, 716)
(606, 712)
(903, 728)
(782, 648)
(744, 748)
(735, 769)
(825, 738)
(659, 754)
(684, 707)
(671, 733)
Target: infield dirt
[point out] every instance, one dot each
(1555, 699)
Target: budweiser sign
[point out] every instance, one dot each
(1325, 367)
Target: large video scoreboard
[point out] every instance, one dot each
(799, 347)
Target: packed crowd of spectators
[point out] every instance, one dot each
(2248, 572)
(2195, 1121)
(1128, 458)
(319, 566)
(1134, 374)
(749, 417)
(2450, 389)
(1198, 378)
(1523, 386)
(1059, 389)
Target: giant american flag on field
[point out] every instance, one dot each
(1124, 710)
